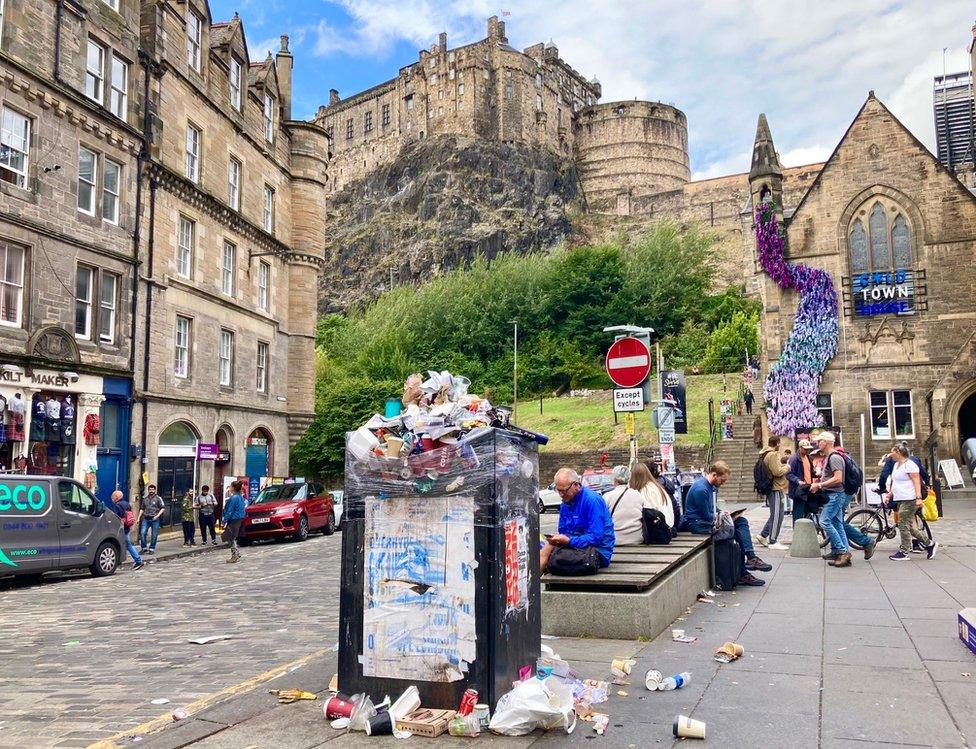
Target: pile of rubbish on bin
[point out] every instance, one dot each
(431, 433)
(551, 698)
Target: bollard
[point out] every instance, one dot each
(806, 542)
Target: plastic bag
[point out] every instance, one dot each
(930, 510)
(534, 704)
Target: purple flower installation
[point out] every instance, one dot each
(793, 383)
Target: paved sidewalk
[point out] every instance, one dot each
(859, 657)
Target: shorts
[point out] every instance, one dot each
(574, 562)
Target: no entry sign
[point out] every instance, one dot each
(628, 362)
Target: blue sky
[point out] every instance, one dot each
(807, 63)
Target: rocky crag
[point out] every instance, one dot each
(441, 203)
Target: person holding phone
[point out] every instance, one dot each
(585, 540)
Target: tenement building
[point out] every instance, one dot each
(161, 235)
(70, 103)
(234, 230)
(896, 233)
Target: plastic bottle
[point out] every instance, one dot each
(675, 682)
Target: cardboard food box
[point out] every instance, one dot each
(426, 722)
(967, 628)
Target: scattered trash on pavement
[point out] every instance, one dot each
(159, 701)
(287, 696)
(179, 714)
(653, 679)
(600, 723)
(729, 652)
(531, 704)
(71, 643)
(675, 682)
(621, 693)
(210, 638)
(688, 728)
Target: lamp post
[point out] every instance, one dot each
(515, 374)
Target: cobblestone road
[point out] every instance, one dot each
(83, 658)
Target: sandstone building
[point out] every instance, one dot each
(70, 104)
(161, 234)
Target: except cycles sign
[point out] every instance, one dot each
(23, 499)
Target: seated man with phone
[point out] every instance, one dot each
(701, 512)
(585, 540)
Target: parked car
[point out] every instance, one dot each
(599, 480)
(289, 511)
(549, 499)
(53, 523)
(337, 495)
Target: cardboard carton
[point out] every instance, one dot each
(967, 628)
(426, 722)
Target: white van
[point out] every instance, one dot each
(54, 523)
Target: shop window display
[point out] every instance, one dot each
(52, 435)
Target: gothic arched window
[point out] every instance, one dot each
(885, 245)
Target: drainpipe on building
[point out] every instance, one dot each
(150, 247)
(933, 453)
(58, 12)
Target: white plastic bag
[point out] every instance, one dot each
(534, 704)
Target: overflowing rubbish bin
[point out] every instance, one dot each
(440, 564)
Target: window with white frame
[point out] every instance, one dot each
(184, 247)
(538, 102)
(108, 292)
(269, 209)
(119, 99)
(228, 263)
(11, 284)
(225, 358)
(95, 71)
(87, 176)
(192, 153)
(264, 279)
(261, 382)
(234, 183)
(181, 346)
(113, 4)
(235, 82)
(891, 414)
(14, 147)
(111, 178)
(269, 118)
(825, 407)
(1, 20)
(194, 31)
(84, 281)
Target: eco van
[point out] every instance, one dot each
(54, 523)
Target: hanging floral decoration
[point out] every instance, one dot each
(793, 383)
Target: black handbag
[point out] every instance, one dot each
(727, 556)
(654, 527)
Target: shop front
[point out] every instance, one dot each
(175, 470)
(258, 463)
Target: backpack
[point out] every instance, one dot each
(762, 483)
(853, 476)
(128, 520)
(654, 527)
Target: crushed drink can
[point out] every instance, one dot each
(468, 701)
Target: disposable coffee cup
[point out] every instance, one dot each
(677, 633)
(380, 724)
(621, 665)
(653, 679)
(393, 447)
(338, 708)
(737, 649)
(688, 728)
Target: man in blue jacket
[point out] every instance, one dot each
(234, 511)
(585, 540)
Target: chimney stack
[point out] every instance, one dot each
(442, 41)
(284, 62)
(333, 96)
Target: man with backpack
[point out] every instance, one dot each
(123, 509)
(832, 486)
(769, 475)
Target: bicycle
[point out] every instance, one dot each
(876, 523)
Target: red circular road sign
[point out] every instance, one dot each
(628, 362)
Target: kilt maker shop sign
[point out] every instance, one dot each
(899, 292)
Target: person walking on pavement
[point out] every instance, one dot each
(701, 510)
(776, 469)
(831, 483)
(905, 489)
(123, 509)
(189, 505)
(887, 465)
(233, 519)
(799, 473)
(748, 398)
(206, 504)
(150, 514)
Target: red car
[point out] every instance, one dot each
(289, 511)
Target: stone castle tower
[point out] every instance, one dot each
(490, 90)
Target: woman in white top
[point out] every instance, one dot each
(625, 508)
(655, 496)
(905, 489)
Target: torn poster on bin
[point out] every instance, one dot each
(418, 597)
(516, 566)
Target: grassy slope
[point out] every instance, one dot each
(587, 423)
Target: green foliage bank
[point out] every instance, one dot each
(463, 321)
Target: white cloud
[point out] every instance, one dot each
(807, 64)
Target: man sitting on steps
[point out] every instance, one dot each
(699, 518)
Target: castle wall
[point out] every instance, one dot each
(635, 148)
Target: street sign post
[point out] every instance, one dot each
(628, 362)
(628, 399)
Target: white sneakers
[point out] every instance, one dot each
(779, 547)
(762, 541)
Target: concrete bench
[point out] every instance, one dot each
(644, 589)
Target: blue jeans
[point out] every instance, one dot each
(131, 548)
(144, 527)
(832, 521)
(853, 534)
